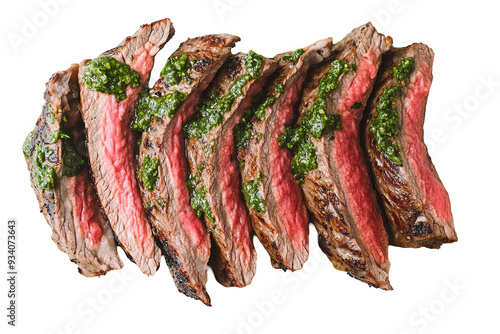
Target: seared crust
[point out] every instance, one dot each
(187, 259)
(283, 227)
(131, 228)
(61, 112)
(410, 222)
(233, 255)
(354, 241)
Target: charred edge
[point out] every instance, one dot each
(421, 229)
(364, 280)
(222, 268)
(201, 65)
(180, 277)
(269, 244)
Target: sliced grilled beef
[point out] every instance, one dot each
(276, 205)
(416, 203)
(111, 141)
(337, 188)
(184, 239)
(58, 165)
(214, 183)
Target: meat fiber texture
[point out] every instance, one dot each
(339, 193)
(414, 199)
(111, 145)
(283, 227)
(233, 255)
(107, 203)
(72, 209)
(182, 235)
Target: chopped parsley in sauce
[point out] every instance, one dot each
(197, 192)
(44, 174)
(242, 132)
(149, 106)
(315, 123)
(253, 196)
(211, 109)
(385, 126)
(149, 173)
(176, 69)
(294, 56)
(73, 162)
(107, 75)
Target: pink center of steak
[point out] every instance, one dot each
(188, 219)
(230, 185)
(231, 195)
(352, 170)
(433, 192)
(118, 155)
(86, 213)
(286, 189)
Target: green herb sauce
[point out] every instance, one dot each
(44, 175)
(260, 112)
(197, 193)
(279, 88)
(212, 109)
(242, 132)
(405, 68)
(253, 196)
(107, 75)
(315, 123)
(294, 56)
(58, 135)
(73, 162)
(149, 106)
(304, 161)
(27, 145)
(385, 126)
(149, 172)
(176, 69)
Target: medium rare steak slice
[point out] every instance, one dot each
(110, 85)
(184, 240)
(214, 183)
(329, 160)
(58, 165)
(416, 203)
(274, 198)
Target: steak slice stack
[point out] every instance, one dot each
(122, 71)
(58, 165)
(274, 198)
(214, 183)
(336, 182)
(183, 238)
(416, 203)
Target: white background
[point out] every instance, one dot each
(452, 290)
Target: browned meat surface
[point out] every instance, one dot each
(111, 144)
(338, 192)
(214, 167)
(416, 203)
(184, 240)
(280, 218)
(67, 198)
